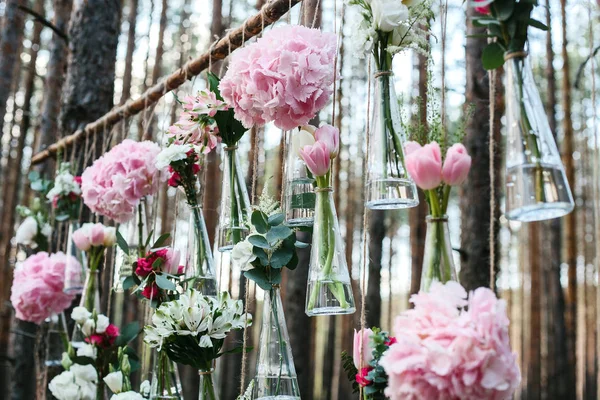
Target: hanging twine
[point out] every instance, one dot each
(492, 238)
(515, 54)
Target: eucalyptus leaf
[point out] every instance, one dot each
(259, 241)
(122, 243)
(128, 283)
(164, 283)
(128, 333)
(260, 221)
(537, 24)
(281, 257)
(276, 219)
(301, 245)
(277, 233)
(492, 56)
(258, 276)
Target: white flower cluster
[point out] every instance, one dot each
(28, 230)
(64, 183)
(88, 324)
(193, 314)
(173, 152)
(78, 383)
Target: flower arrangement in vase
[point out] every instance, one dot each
(65, 194)
(35, 230)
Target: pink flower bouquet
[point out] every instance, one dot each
(286, 77)
(448, 351)
(114, 185)
(37, 288)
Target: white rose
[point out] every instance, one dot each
(102, 323)
(388, 14)
(63, 386)
(114, 381)
(242, 255)
(87, 350)
(88, 327)
(145, 388)
(131, 395)
(80, 315)
(86, 373)
(110, 236)
(174, 152)
(26, 232)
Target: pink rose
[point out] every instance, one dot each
(484, 9)
(456, 165)
(151, 291)
(362, 339)
(361, 377)
(329, 135)
(316, 158)
(424, 165)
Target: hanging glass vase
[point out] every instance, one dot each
(55, 337)
(207, 389)
(135, 232)
(298, 185)
(389, 187)
(276, 377)
(200, 270)
(438, 263)
(329, 290)
(235, 202)
(536, 185)
(165, 383)
(90, 299)
(75, 272)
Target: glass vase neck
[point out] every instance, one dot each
(438, 261)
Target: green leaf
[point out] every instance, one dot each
(128, 333)
(304, 200)
(128, 283)
(281, 257)
(301, 245)
(258, 276)
(277, 233)
(493, 56)
(276, 219)
(122, 243)
(503, 9)
(161, 240)
(164, 283)
(261, 255)
(213, 84)
(260, 221)
(33, 176)
(293, 263)
(537, 24)
(235, 350)
(148, 240)
(157, 264)
(259, 241)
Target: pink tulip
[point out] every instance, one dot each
(424, 166)
(97, 235)
(81, 240)
(362, 338)
(456, 165)
(329, 135)
(411, 147)
(171, 265)
(93, 235)
(316, 158)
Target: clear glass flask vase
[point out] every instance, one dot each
(329, 289)
(75, 272)
(298, 185)
(389, 186)
(165, 383)
(206, 388)
(235, 203)
(438, 263)
(90, 299)
(536, 184)
(276, 377)
(200, 269)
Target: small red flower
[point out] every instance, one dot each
(361, 377)
(73, 196)
(391, 341)
(174, 180)
(151, 291)
(484, 10)
(77, 180)
(195, 168)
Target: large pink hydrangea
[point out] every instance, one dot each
(446, 352)
(37, 288)
(286, 77)
(115, 183)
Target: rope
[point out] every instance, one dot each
(444, 21)
(515, 54)
(492, 238)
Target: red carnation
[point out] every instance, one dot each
(361, 377)
(391, 341)
(151, 291)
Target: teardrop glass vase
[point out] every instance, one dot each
(165, 383)
(389, 187)
(200, 270)
(235, 203)
(329, 290)
(276, 377)
(298, 186)
(536, 184)
(438, 263)
(75, 272)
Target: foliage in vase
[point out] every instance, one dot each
(35, 230)
(65, 194)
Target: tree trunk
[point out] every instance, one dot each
(132, 21)
(376, 236)
(534, 389)
(475, 209)
(10, 43)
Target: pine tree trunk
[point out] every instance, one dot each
(10, 43)
(376, 236)
(475, 209)
(535, 325)
(127, 74)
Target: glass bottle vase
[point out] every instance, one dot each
(55, 330)
(200, 270)
(389, 187)
(235, 203)
(298, 185)
(438, 262)
(90, 299)
(276, 377)
(75, 272)
(329, 290)
(206, 388)
(165, 383)
(536, 185)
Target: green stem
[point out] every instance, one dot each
(283, 356)
(234, 231)
(140, 226)
(207, 388)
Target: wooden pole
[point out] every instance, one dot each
(270, 13)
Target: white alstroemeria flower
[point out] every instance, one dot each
(221, 326)
(64, 184)
(26, 232)
(152, 338)
(363, 37)
(205, 341)
(114, 381)
(102, 323)
(130, 395)
(196, 320)
(88, 327)
(80, 315)
(305, 136)
(174, 152)
(388, 14)
(87, 350)
(242, 255)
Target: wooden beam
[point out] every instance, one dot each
(268, 14)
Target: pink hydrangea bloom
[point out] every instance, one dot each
(446, 352)
(37, 288)
(286, 77)
(115, 183)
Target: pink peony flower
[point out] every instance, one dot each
(456, 165)
(424, 165)
(329, 135)
(316, 158)
(362, 338)
(286, 77)
(37, 288)
(444, 351)
(114, 185)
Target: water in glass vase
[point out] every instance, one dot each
(536, 192)
(327, 295)
(278, 398)
(391, 194)
(300, 202)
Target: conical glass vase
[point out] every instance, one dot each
(55, 337)
(135, 232)
(165, 383)
(389, 187)
(235, 202)
(207, 389)
(276, 377)
(90, 299)
(200, 270)
(298, 186)
(438, 263)
(75, 272)
(329, 290)
(536, 185)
